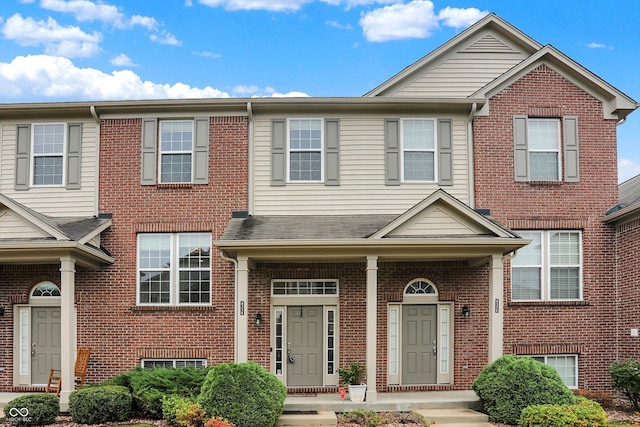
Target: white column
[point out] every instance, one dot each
(242, 307)
(496, 307)
(372, 326)
(67, 329)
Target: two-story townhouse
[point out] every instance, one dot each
(50, 235)
(388, 229)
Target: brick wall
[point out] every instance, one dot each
(588, 327)
(628, 245)
(119, 332)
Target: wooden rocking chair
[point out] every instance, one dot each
(54, 384)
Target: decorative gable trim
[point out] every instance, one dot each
(37, 222)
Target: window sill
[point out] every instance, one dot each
(545, 183)
(547, 303)
(172, 308)
(176, 185)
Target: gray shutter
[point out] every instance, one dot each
(445, 152)
(571, 166)
(332, 152)
(201, 151)
(74, 154)
(392, 151)
(148, 158)
(278, 152)
(521, 149)
(23, 154)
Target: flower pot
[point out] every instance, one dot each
(357, 392)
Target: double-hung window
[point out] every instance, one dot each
(565, 364)
(419, 150)
(305, 150)
(174, 269)
(544, 147)
(549, 268)
(176, 148)
(48, 153)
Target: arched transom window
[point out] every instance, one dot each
(420, 287)
(46, 289)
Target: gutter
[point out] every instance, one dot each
(250, 167)
(96, 118)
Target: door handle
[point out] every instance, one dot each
(33, 351)
(290, 357)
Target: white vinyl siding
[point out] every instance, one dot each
(362, 188)
(46, 199)
(549, 268)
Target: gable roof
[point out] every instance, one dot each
(616, 104)
(492, 25)
(29, 236)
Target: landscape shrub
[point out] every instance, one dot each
(33, 410)
(584, 413)
(100, 404)
(625, 376)
(361, 417)
(244, 393)
(190, 414)
(150, 386)
(511, 383)
(170, 406)
(218, 422)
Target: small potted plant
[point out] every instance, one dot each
(353, 377)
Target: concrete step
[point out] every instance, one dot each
(453, 416)
(320, 419)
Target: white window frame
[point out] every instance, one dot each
(546, 358)
(62, 155)
(320, 150)
(162, 152)
(557, 150)
(546, 266)
(174, 270)
(433, 150)
(195, 361)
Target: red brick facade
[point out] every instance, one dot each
(121, 333)
(586, 327)
(628, 316)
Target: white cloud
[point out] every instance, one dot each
(461, 18)
(207, 54)
(415, 19)
(57, 78)
(85, 10)
(627, 169)
(272, 5)
(353, 3)
(335, 24)
(246, 90)
(66, 41)
(122, 60)
(268, 92)
(166, 38)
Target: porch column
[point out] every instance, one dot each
(242, 306)
(372, 326)
(496, 307)
(67, 329)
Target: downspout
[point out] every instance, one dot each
(235, 298)
(250, 172)
(96, 118)
(472, 171)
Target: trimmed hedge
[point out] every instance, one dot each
(625, 376)
(149, 387)
(585, 413)
(33, 410)
(100, 404)
(511, 383)
(246, 394)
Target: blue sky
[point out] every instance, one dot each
(83, 50)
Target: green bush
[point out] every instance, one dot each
(243, 393)
(100, 404)
(148, 387)
(511, 383)
(182, 412)
(361, 417)
(33, 410)
(170, 405)
(585, 413)
(625, 376)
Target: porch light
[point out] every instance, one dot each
(258, 319)
(466, 311)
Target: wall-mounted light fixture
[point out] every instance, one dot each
(258, 319)
(466, 311)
